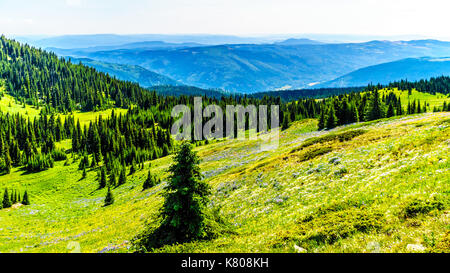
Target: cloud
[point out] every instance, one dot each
(73, 3)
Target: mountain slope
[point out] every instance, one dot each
(251, 68)
(351, 199)
(412, 69)
(131, 73)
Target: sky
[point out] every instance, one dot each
(234, 17)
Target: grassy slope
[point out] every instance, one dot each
(263, 194)
(9, 105)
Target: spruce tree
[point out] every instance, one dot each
(8, 162)
(6, 200)
(321, 123)
(102, 182)
(331, 121)
(286, 121)
(149, 182)
(109, 198)
(184, 212)
(122, 176)
(374, 110)
(84, 173)
(112, 179)
(25, 200)
(390, 112)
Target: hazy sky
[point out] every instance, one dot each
(238, 17)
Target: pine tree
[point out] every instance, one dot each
(122, 176)
(6, 200)
(8, 162)
(331, 121)
(184, 211)
(109, 198)
(84, 173)
(373, 110)
(286, 121)
(112, 179)
(25, 200)
(322, 120)
(133, 167)
(149, 182)
(390, 112)
(102, 182)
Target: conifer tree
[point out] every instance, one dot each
(7, 162)
(122, 176)
(6, 200)
(112, 179)
(184, 212)
(25, 200)
(321, 124)
(109, 198)
(286, 121)
(149, 182)
(102, 182)
(331, 121)
(390, 112)
(373, 110)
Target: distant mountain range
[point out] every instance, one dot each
(251, 68)
(412, 69)
(125, 72)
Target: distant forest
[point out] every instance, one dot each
(56, 86)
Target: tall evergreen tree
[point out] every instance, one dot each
(109, 198)
(184, 212)
(102, 182)
(331, 121)
(25, 199)
(6, 200)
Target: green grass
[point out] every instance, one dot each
(9, 105)
(430, 99)
(351, 199)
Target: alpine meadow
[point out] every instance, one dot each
(221, 143)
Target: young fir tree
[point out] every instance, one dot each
(8, 163)
(322, 120)
(286, 122)
(331, 121)
(84, 173)
(184, 212)
(133, 168)
(102, 182)
(112, 179)
(373, 110)
(25, 200)
(6, 200)
(149, 182)
(390, 112)
(122, 176)
(109, 198)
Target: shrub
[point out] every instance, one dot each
(334, 225)
(443, 246)
(59, 155)
(421, 206)
(344, 136)
(311, 154)
(39, 162)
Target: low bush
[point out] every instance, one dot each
(311, 154)
(421, 206)
(334, 225)
(344, 136)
